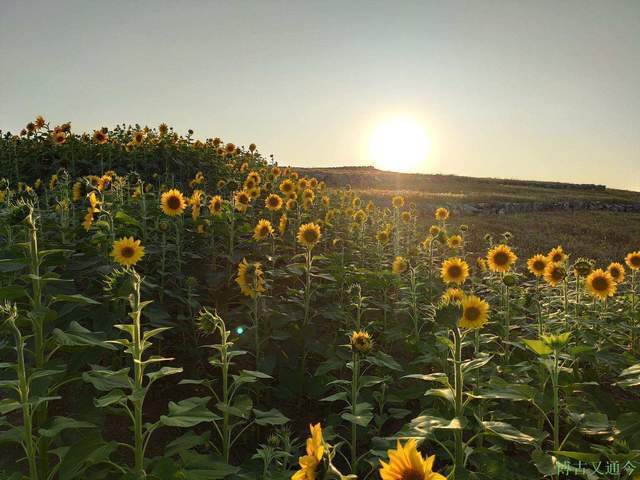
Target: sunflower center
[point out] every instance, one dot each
(600, 284)
(615, 273)
(472, 313)
(455, 271)
(556, 257)
(635, 260)
(127, 252)
(538, 265)
(501, 258)
(556, 274)
(173, 202)
(310, 236)
(411, 475)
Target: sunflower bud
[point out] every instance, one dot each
(582, 267)
(361, 342)
(509, 280)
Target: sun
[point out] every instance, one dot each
(400, 145)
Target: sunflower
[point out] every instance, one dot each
(405, 216)
(399, 265)
(315, 452)
(309, 235)
(601, 284)
(138, 137)
(361, 341)
(434, 230)
(196, 203)
(454, 270)
(454, 241)
(282, 224)
(287, 186)
(616, 270)
(500, 258)
(406, 463)
(554, 274)
(243, 198)
(127, 251)
(382, 236)
(59, 137)
(481, 263)
(360, 217)
(273, 202)
(163, 129)
(76, 191)
(452, 295)
(250, 278)
(291, 204)
(88, 220)
(303, 183)
(100, 137)
(557, 255)
(537, 264)
(633, 260)
(582, 267)
(173, 203)
(442, 214)
(39, 121)
(263, 230)
(215, 205)
(475, 312)
(397, 201)
(229, 148)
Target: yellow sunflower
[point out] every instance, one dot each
(475, 312)
(127, 251)
(243, 199)
(287, 186)
(309, 234)
(215, 205)
(100, 137)
(291, 204)
(315, 452)
(250, 278)
(434, 230)
(406, 463)
(263, 230)
(557, 255)
(397, 201)
(173, 203)
(616, 270)
(382, 236)
(481, 263)
(405, 216)
(361, 341)
(454, 241)
(500, 258)
(452, 295)
(76, 191)
(273, 202)
(600, 284)
(537, 264)
(454, 270)
(360, 216)
(633, 260)
(399, 265)
(282, 224)
(554, 274)
(442, 214)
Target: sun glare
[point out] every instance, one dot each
(399, 145)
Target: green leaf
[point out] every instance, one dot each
(508, 432)
(188, 413)
(164, 372)
(445, 393)
(78, 336)
(476, 363)
(12, 292)
(104, 380)
(186, 441)
(270, 417)
(335, 397)
(58, 424)
(538, 347)
(75, 298)
(114, 396)
(362, 420)
(241, 407)
(8, 405)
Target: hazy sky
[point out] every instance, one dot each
(528, 89)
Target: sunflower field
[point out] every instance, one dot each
(172, 308)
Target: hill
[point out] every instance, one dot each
(582, 217)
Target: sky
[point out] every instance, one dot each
(544, 90)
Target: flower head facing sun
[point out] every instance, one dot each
(309, 235)
(452, 295)
(454, 270)
(173, 203)
(399, 265)
(633, 260)
(616, 270)
(600, 284)
(406, 463)
(554, 274)
(250, 278)
(361, 341)
(127, 251)
(537, 264)
(263, 230)
(475, 312)
(273, 202)
(500, 258)
(557, 255)
(442, 214)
